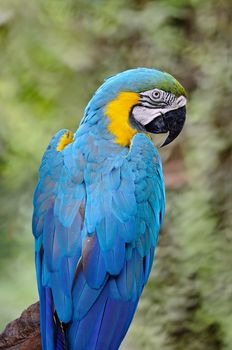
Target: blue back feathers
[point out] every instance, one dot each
(98, 208)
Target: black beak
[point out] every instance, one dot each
(171, 122)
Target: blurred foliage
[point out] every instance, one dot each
(54, 54)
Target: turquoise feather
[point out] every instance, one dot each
(98, 208)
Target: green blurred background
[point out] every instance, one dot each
(53, 55)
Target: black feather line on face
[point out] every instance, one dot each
(148, 99)
(165, 100)
(153, 104)
(168, 98)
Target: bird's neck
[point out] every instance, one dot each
(117, 111)
(111, 119)
(95, 138)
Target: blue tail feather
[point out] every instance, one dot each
(60, 336)
(104, 326)
(46, 318)
(52, 333)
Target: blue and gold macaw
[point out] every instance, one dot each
(98, 207)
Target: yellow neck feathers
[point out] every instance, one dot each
(118, 113)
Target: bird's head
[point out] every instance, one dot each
(142, 100)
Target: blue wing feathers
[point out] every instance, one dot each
(114, 179)
(62, 299)
(112, 329)
(92, 256)
(83, 296)
(51, 247)
(69, 238)
(83, 334)
(97, 215)
(128, 230)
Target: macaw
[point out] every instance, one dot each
(98, 207)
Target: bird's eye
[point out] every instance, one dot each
(156, 94)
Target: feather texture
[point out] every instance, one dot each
(98, 208)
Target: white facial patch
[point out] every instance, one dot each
(154, 103)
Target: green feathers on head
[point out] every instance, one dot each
(176, 88)
(136, 80)
(164, 81)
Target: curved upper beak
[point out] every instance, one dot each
(172, 122)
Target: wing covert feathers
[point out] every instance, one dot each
(97, 214)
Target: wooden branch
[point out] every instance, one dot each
(24, 332)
